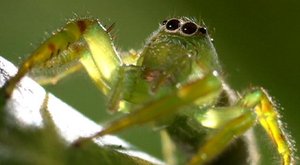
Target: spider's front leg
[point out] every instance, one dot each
(208, 89)
(79, 44)
(256, 105)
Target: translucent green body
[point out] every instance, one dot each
(174, 81)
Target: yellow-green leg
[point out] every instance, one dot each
(208, 89)
(79, 43)
(168, 148)
(254, 106)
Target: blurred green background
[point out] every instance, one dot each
(257, 42)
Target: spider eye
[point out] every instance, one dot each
(189, 28)
(164, 22)
(202, 30)
(172, 24)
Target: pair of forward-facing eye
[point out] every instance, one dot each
(187, 28)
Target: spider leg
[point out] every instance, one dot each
(208, 89)
(80, 43)
(168, 148)
(256, 105)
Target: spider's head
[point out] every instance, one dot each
(179, 49)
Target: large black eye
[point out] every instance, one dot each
(189, 28)
(173, 24)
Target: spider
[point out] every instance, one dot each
(174, 81)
